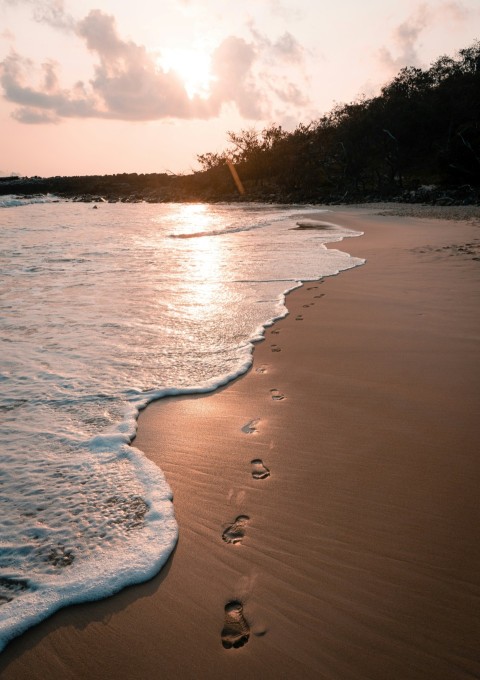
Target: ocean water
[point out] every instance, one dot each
(102, 311)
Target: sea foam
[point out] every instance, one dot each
(13, 201)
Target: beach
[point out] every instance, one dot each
(327, 501)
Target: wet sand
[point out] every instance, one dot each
(327, 501)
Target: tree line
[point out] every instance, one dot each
(418, 137)
(423, 129)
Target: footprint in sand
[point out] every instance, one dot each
(251, 427)
(261, 369)
(276, 395)
(276, 348)
(236, 531)
(236, 630)
(312, 287)
(259, 470)
(319, 296)
(275, 332)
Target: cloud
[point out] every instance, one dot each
(7, 35)
(50, 81)
(128, 82)
(232, 66)
(51, 12)
(405, 39)
(286, 11)
(406, 36)
(287, 47)
(455, 10)
(45, 103)
(278, 56)
(34, 117)
(289, 93)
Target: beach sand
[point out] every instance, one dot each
(358, 556)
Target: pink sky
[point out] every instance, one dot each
(107, 86)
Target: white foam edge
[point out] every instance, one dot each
(138, 560)
(15, 201)
(267, 221)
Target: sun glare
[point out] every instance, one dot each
(192, 67)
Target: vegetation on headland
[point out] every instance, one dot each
(419, 140)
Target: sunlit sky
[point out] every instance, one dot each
(107, 86)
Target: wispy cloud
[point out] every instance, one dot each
(50, 12)
(406, 37)
(284, 10)
(289, 93)
(128, 82)
(277, 57)
(6, 34)
(456, 11)
(46, 101)
(232, 65)
(286, 47)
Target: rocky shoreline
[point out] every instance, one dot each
(201, 187)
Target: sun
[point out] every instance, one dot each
(192, 66)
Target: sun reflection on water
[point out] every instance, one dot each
(204, 266)
(204, 259)
(193, 218)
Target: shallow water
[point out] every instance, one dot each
(102, 311)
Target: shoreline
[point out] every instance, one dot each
(330, 568)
